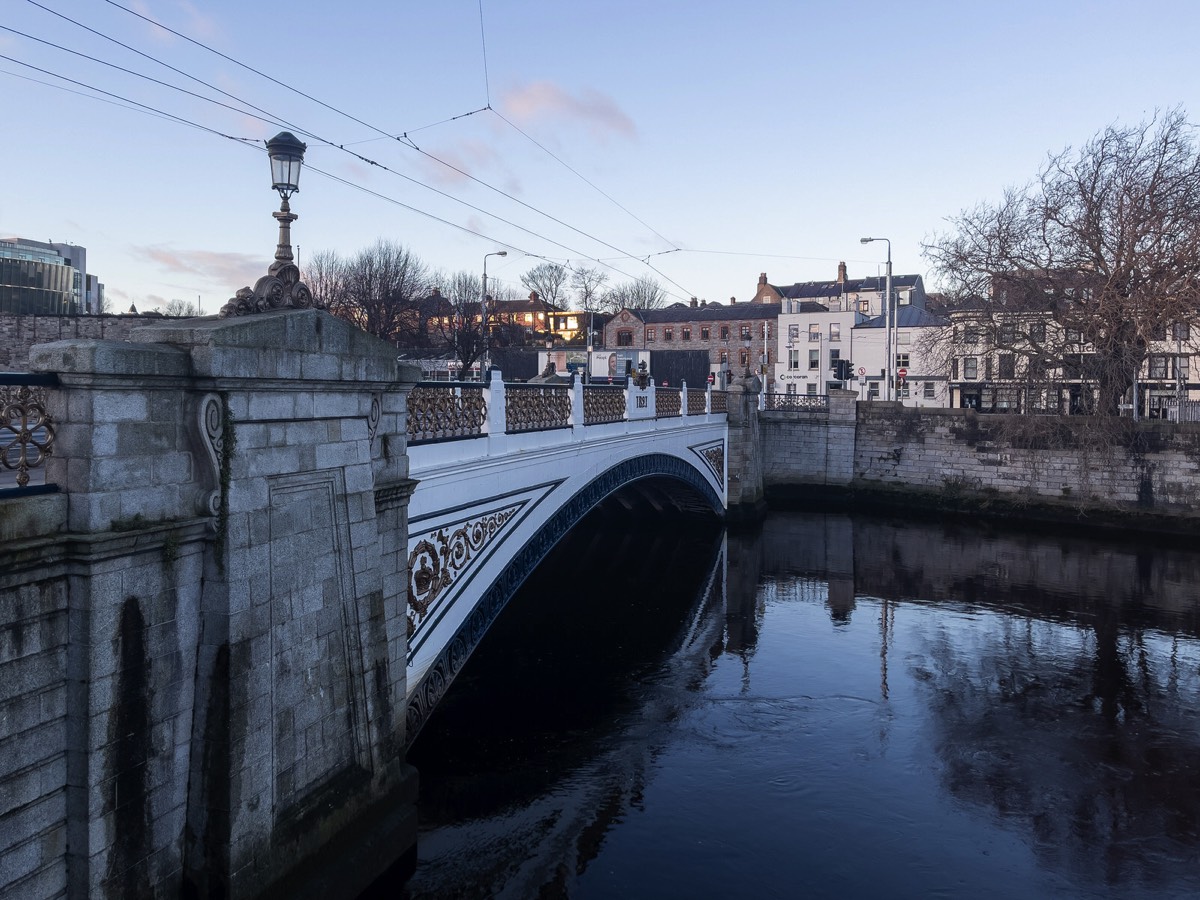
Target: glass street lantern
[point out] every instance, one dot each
(287, 155)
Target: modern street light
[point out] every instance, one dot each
(281, 287)
(483, 304)
(888, 320)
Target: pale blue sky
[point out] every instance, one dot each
(777, 133)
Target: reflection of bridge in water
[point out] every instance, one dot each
(504, 471)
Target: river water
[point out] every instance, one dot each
(834, 706)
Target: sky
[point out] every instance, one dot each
(693, 141)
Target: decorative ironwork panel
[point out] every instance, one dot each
(719, 404)
(714, 455)
(603, 404)
(441, 556)
(668, 403)
(535, 407)
(811, 402)
(695, 402)
(26, 430)
(438, 412)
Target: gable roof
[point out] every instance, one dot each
(876, 283)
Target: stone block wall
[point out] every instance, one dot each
(19, 333)
(805, 447)
(221, 597)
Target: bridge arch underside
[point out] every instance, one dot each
(654, 484)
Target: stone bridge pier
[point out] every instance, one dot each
(202, 635)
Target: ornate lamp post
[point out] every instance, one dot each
(281, 287)
(483, 305)
(888, 321)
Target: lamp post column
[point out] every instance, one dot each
(483, 307)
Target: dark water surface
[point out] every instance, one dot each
(834, 707)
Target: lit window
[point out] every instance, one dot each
(650, 335)
(745, 331)
(685, 333)
(668, 333)
(705, 333)
(814, 332)
(835, 331)
(724, 332)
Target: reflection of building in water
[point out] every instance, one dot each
(840, 601)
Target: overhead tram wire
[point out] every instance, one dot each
(402, 139)
(254, 142)
(318, 139)
(487, 88)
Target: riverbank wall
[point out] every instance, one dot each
(1102, 472)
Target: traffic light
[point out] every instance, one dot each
(843, 369)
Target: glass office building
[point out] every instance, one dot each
(41, 279)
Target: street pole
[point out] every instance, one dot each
(889, 362)
(483, 305)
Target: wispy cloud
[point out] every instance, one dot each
(229, 271)
(546, 100)
(469, 156)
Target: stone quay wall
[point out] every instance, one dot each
(19, 333)
(202, 637)
(1070, 466)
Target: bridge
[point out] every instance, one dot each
(260, 553)
(504, 472)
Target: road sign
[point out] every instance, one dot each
(862, 370)
(903, 373)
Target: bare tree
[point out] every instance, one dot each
(180, 309)
(459, 330)
(588, 284)
(641, 293)
(1080, 275)
(550, 282)
(378, 290)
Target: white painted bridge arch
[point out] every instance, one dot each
(490, 504)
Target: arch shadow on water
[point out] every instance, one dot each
(658, 480)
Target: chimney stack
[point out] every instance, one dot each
(733, 300)
(841, 273)
(695, 303)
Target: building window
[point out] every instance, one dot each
(1180, 331)
(814, 332)
(971, 368)
(744, 357)
(724, 356)
(810, 389)
(793, 332)
(685, 333)
(814, 359)
(873, 390)
(704, 333)
(793, 359)
(1008, 335)
(1158, 367)
(668, 333)
(835, 331)
(745, 331)
(724, 332)
(650, 335)
(928, 390)
(791, 387)
(864, 306)
(903, 390)
(1008, 368)
(903, 337)
(625, 338)
(835, 355)
(901, 360)
(1037, 332)
(971, 335)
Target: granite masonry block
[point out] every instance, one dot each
(264, 406)
(121, 406)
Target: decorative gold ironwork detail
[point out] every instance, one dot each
(530, 407)
(714, 455)
(695, 402)
(26, 430)
(719, 404)
(438, 559)
(438, 412)
(603, 404)
(667, 402)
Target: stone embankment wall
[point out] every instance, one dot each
(1121, 470)
(202, 637)
(19, 333)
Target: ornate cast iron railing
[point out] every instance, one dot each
(695, 401)
(602, 403)
(719, 404)
(26, 429)
(536, 407)
(667, 402)
(441, 412)
(815, 402)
